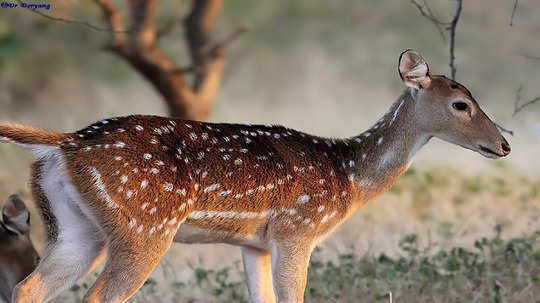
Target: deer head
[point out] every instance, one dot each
(18, 258)
(446, 109)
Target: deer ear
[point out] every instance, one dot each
(414, 70)
(15, 215)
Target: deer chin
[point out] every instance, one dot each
(488, 153)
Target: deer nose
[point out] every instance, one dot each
(506, 148)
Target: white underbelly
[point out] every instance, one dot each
(191, 234)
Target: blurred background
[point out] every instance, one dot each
(327, 68)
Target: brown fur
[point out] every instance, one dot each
(25, 134)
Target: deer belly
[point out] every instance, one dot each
(205, 231)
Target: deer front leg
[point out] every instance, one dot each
(289, 267)
(258, 268)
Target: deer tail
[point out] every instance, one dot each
(38, 140)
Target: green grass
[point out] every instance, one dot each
(496, 270)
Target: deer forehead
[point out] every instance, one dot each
(448, 88)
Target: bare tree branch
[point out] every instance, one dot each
(138, 47)
(221, 46)
(450, 27)
(518, 105)
(77, 22)
(217, 50)
(452, 30)
(531, 57)
(114, 18)
(504, 130)
(513, 12)
(426, 11)
(143, 16)
(186, 100)
(168, 27)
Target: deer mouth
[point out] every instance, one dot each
(489, 153)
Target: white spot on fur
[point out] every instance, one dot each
(303, 199)
(394, 116)
(212, 187)
(168, 186)
(324, 219)
(365, 182)
(101, 187)
(197, 215)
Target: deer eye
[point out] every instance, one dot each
(461, 106)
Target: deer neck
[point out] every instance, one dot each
(380, 155)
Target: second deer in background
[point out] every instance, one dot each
(18, 257)
(128, 187)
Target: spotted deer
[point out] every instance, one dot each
(123, 189)
(18, 258)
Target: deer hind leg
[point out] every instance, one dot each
(72, 252)
(257, 266)
(289, 267)
(137, 238)
(132, 257)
